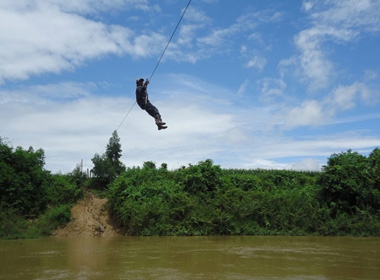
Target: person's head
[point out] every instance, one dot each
(139, 81)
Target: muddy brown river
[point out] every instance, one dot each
(247, 257)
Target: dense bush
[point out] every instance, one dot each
(204, 199)
(63, 189)
(32, 200)
(374, 169)
(347, 183)
(23, 181)
(349, 194)
(146, 199)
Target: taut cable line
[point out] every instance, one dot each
(171, 37)
(159, 60)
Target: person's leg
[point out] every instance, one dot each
(153, 111)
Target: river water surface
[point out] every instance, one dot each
(247, 257)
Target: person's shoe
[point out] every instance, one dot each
(161, 126)
(159, 121)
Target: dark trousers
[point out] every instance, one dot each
(150, 109)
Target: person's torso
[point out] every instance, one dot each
(141, 95)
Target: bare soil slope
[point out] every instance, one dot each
(89, 217)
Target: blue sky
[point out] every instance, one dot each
(248, 84)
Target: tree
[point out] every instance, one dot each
(23, 180)
(202, 178)
(346, 182)
(108, 166)
(374, 165)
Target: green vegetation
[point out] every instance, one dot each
(207, 200)
(202, 199)
(33, 202)
(108, 166)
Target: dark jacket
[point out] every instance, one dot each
(142, 96)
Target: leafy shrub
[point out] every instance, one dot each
(63, 190)
(145, 205)
(346, 183)
(374, 167)
(23, 180)
(203, 199)
(54, 217)
(32, 201)
(201, 178)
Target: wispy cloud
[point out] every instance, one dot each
(200, 39)
(272, 89)
(334, 22)
(323, 111)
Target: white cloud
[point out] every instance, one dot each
(348, 97)
(243, 88)
(53, 36)
(81, 7)
(256, 61)
(46, 36)
(307, 5)
(309, 113)
(332, 22)
(281, 152)
(308, 164)
(223, 40)
(47, 40)
(316, 68)
(196, 15)
(344, 97)
(271, 88)
(321, 112)
(252, 59)
(348, 16)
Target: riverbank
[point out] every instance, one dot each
(202, 199)
(89, 217)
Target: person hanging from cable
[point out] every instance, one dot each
(142, 100)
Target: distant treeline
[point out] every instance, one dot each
(201, 199)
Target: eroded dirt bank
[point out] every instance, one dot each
(89, 217)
